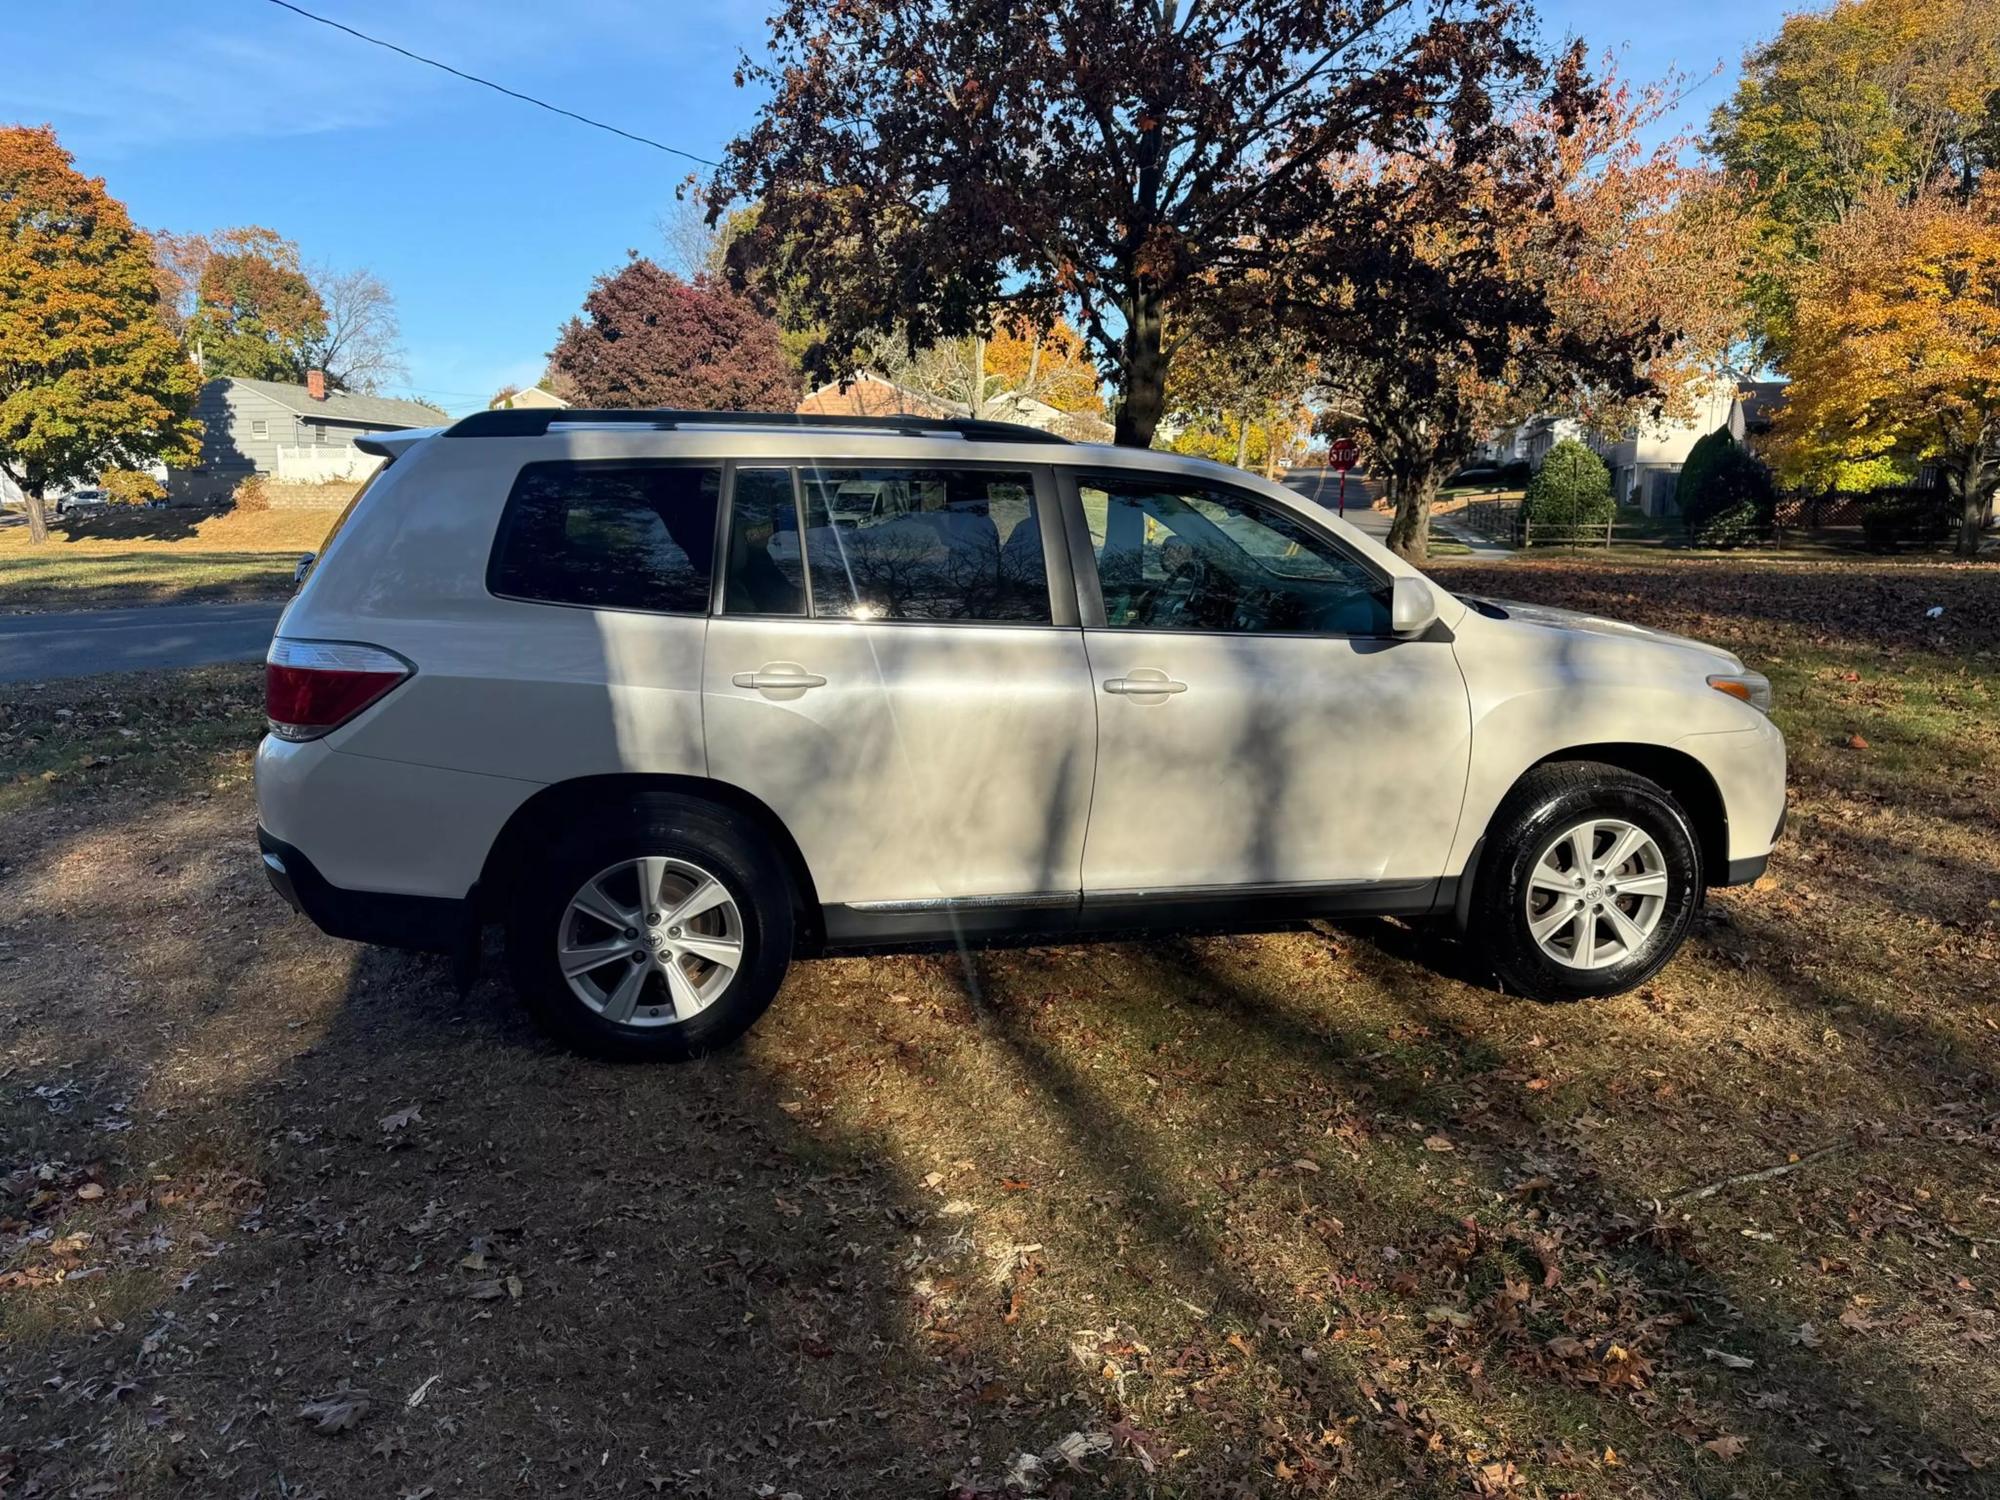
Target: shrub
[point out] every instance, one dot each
(1702, 460)
(1732, 502)
(130, 487)
(1896, 517)
(1571, 494)
(252, 493)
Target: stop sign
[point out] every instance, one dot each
(1343, 454)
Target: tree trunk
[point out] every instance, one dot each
(1410, 532)
(1270, 451)
(1145, 382)
(38, 515)
(1242, 443)
(1975, 484)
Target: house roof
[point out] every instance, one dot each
(344, 406)
(1078, 426)
(1761, 400)
(872, 396)
(533, 396)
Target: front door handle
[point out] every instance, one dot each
(1144, 682)
(779, 677)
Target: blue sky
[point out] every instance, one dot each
(487, 217)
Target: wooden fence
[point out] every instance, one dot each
(1505, 522)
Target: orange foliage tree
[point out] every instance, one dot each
(90, 376)
(1050, 365)
(1895, 346)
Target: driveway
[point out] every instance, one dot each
(84, 642)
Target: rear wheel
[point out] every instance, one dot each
(1591, 879)
(655, 931)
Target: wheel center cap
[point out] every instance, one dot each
(657, 938)
(1595, 893)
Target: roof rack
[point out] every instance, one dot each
(536, 421)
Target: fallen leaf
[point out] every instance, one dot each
(1856, 742)
(402, 1117)
(1728, 1449)
(90, 1190)
(1730, 1361)
(1438, 1143)
(335, 1413)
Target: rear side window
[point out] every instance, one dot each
(925, 544)
(611, 536)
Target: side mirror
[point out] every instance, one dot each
(1412, 606)
(305, 566)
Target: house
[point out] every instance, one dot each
(1645, 460)
(533, 396)
(865, 395)
(1757, 403)
(1077, 426)
(298, 433)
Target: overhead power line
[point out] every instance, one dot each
(554, 109)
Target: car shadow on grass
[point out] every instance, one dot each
(1562, 1290)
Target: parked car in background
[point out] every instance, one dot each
(79, 500)
(658, 694)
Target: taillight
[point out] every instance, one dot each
(313, 687)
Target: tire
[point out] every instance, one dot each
(1529, 877)
(597, 864)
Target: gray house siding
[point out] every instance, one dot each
(244, 427)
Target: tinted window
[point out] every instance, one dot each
(764, 575)
(609, 535)
(1187, 558)
(925, 544)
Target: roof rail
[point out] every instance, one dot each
(536, 421)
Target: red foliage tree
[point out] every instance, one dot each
(647, 338)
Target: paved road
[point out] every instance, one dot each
(80, 643)
(1323, 487)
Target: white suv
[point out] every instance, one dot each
(676, 696)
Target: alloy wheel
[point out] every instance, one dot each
(1596, 894)
(650, 941)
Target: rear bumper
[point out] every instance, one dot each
(429, 924)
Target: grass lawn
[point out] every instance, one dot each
(1310, 1212)
(157, 557)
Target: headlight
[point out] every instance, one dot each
(1754, 688)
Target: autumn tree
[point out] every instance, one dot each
(257, 313)
(1051, 365)
(90, 376)
(1237, 398)
(648, 338)
(1862, 96)
(1573, 268)
(937, 169)
(1895, 346)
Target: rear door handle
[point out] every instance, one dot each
(1144, 682)
(779, 677)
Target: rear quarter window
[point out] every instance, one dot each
(609, 536)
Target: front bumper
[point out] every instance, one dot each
(428, 924)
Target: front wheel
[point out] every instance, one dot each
(658, 931)
(1590, 882)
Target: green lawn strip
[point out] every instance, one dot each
(54, 579)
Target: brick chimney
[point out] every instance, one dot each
(316, 384)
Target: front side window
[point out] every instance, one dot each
(608, 535)
(925, 544)
(1172, 556)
